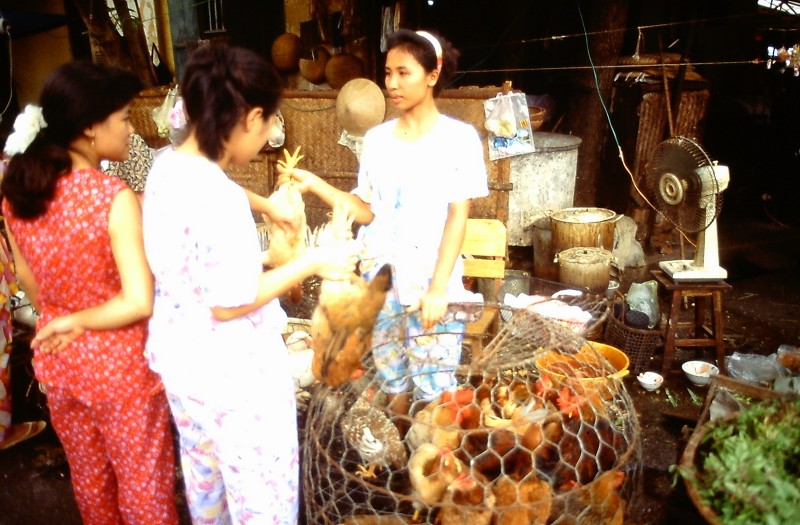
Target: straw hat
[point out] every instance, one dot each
(360, 105)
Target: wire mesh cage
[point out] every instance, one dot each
(539, 430)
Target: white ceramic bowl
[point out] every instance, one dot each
(301, 356)
(699, 372)
(650, 380)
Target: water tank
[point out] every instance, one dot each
(543, 181)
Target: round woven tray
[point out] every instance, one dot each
(691, 465)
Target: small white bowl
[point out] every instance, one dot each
(699, 372)
(650, 380)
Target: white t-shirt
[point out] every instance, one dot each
(409, 186)
(202, 246)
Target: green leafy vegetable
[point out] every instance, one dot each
(749, 467)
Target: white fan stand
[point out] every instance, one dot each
(705, 266)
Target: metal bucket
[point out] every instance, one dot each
(583, 227)
(585, 267)
(541, 181)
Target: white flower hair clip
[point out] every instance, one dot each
(26, 126)
(176, 116)
(176, 122)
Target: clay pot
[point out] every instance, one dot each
(314, 70)
(343, 68)
(286, 52)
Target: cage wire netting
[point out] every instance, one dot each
(540, 430)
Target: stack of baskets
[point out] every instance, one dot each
(638, 343)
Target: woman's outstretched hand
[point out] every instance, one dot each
(303, 179)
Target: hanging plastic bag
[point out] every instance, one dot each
(508, 124)
(643, 297)
(161, 113)
(278, 140)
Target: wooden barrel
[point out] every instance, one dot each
(583, 227)
(585, 267)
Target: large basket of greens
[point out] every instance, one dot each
(744, 469)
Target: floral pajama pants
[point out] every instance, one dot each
(121, 458)
(405, 353)
(238, 466)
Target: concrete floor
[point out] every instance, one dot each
(762, 311)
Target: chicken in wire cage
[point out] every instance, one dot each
(540, 430)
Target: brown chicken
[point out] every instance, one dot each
(442, 420)
(373, 435)
(573, 452)
(506, 445)
(492, 451)
(431, 469)
(468, 500)
(285, 246)
(597, 503)
(342, 322)
(525, 501)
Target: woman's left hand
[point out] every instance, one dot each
(56, 335)
(283, 215)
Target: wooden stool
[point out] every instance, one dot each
(703, 335)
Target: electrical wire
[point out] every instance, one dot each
(755, 61)
(605, 108)
(611, 124)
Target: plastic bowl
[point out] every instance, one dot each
(586, 364)
(650, 380)
(699, 372)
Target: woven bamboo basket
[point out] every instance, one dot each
(142, 115)
(639, 344)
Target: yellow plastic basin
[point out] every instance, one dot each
(586, 366)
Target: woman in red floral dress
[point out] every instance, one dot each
(76, 238)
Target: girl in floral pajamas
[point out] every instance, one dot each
(228, 381)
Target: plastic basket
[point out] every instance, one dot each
(638, 344)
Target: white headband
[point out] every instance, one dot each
(437, 47)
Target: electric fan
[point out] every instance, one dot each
(684, 185)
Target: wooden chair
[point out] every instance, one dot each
(484, 252)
